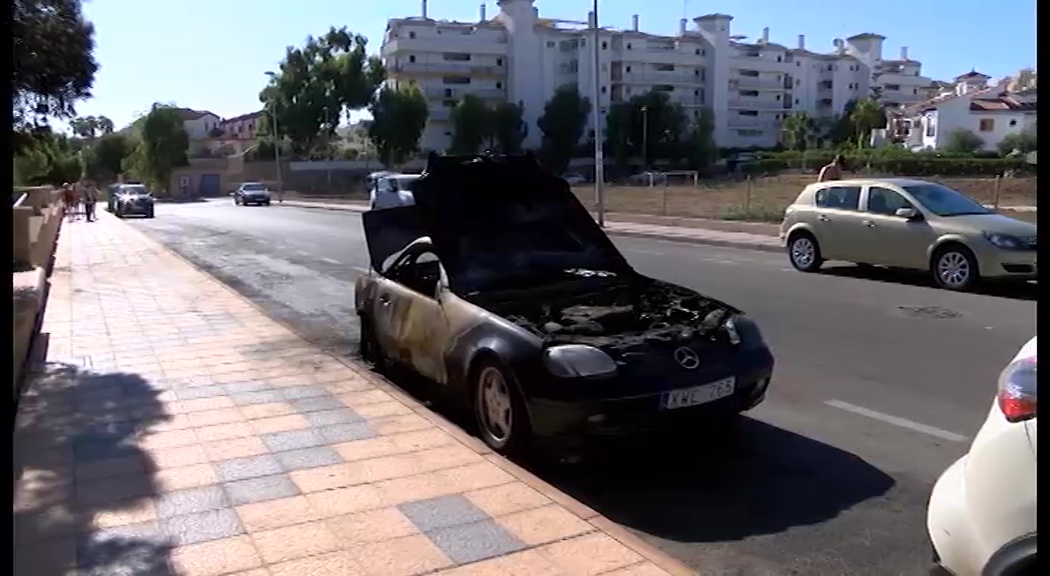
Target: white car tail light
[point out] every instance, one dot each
(1017, 389)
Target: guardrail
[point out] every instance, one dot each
(36, 216)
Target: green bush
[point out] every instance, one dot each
(893, 161)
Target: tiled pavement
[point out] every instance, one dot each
(175, 429)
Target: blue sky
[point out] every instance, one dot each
(211, 54)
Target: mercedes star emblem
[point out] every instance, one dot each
(687, 358)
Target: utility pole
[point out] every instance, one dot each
(276, 148)
(645, 138)
(599, 162)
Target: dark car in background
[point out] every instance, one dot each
(252, 193)
(499, 287)
(132, 199)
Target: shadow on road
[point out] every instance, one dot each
(80, 480)
(1015, 291)
(692, 490)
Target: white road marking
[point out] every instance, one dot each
(330, 260)
(901, 422)
(637, 251)
(722, 261)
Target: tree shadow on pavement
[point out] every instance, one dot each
(83, 489)
(690, 489)
(1014, 291)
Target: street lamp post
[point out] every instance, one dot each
(645, 137)
(599, 162)
(276, 149)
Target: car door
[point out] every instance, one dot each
(410, 324)
(837, 221)
(890, 239)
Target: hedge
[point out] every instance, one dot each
(910, 165)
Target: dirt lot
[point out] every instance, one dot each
(769, 196)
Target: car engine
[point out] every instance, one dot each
(657, 312)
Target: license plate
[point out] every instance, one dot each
(686, 397)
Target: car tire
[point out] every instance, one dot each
(367, 345)
(267, 203)
(494, 390)
(804, 252)
(149, 213)
(954, 267)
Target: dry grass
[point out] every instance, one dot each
(770, 196)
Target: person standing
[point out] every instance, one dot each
(832, 171)
(90, 200)
(69, 198)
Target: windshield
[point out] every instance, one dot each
(136, 190)
(253, 187)
(944, 201)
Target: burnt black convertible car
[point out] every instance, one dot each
(500, 287)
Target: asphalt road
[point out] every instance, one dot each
(881, 381)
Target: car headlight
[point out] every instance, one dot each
(577, 361)
(743, 332)
(1005, 241)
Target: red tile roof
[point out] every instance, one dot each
(1001, 104)
(248, 116)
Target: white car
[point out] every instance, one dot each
(982, 513)
(392, 191)
(574, 179)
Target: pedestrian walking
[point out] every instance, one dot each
(90, 197)
(832, 171)
(69, 200)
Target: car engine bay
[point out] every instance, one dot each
(622, 316)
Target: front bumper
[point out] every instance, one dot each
(588, 420)
(1007, 264)
(135, 207)
(255, 199)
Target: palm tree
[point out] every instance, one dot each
(798, 131)
(867, 116)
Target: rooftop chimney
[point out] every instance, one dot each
(840, 45)
(904, 52)
(682, 26)
(591, 21)
(801, 41)
(482, 13)
(634, 22)
(424, 8)
(765, 35)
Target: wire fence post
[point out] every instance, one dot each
(665, 198)
(747, 198)
(996, 191)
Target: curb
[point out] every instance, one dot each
(682, 239)
(647, 551)
(704, 241)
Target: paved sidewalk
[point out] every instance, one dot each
(677, 233)
(175, 429)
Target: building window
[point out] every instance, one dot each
(778, 97)
(550, 43)
(499, 61)
(752, 93)
(799, 63)
(893, 86)
(628, 45)
(411, 34)
(456, 80)
(749, 73)
(1013, 123)
(499, 85)
(412, 59)
(605, 45)
(697, 51)
(664, 67)
(628, 69)
(456, 57)
(831, 67)
(778, 58)
(749, 112)
(603, 89)
(931, 128)
(986, 125)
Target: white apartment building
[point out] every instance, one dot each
(990, 111)
(750, 86)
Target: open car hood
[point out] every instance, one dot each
(491, 218)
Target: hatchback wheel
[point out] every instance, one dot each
(955, 268)
(499, 409)
(804, 252)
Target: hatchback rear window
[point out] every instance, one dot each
(839, 197)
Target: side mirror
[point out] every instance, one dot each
(908, 214)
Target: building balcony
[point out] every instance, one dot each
(653, 77)
(752, 122)
(758, 104)
(756, 83)
(457, 91)
(447, 68)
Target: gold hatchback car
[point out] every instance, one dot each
(912, 224)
